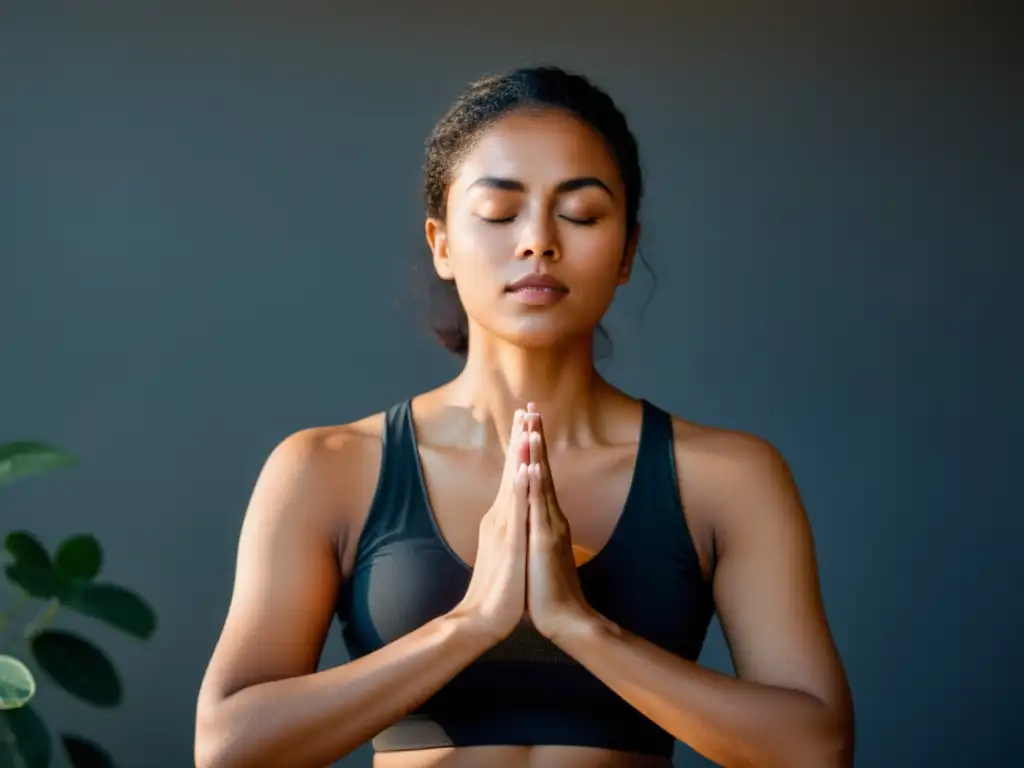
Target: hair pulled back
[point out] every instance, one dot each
(483, 103)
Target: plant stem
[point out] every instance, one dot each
(42, 618)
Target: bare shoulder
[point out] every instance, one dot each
(324, 445)
(334, 452)
(331, 470)
(721, 470)
(727, 451)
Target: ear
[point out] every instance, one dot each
(437, 239)
(629, 256)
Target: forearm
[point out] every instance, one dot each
(730, 721)
(316, 719)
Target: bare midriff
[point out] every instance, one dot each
(517, 757)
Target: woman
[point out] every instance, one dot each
(525, 560)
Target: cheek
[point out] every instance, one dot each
(595, 259)
(479, 257)
(483, 242)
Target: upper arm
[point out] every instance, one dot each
(286, 573)
(766, 586)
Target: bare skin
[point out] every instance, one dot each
(789, 704)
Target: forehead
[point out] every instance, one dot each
(539, 148)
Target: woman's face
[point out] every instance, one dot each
(539, 194)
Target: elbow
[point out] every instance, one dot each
(842, 737)
(210, 750)
(830, 747)
(214, 752)
(825, 739)
(838, 748)
(214, 747)
(812, 753)
(207, 756)
(837, 753)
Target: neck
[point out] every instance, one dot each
(560, 381)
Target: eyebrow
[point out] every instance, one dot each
(569, 185)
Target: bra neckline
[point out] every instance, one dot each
(601, 554)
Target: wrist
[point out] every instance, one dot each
(580, 626)
(470, 627)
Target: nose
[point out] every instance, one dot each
(538, 239)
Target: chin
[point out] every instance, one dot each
(539, 335)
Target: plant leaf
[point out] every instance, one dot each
(83, 753)
(26, 457)
(119, 607)
(77, 666)
(79, 557)
(26, 548)
(31, 738)
(17, 685)
(43, 583)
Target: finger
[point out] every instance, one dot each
(524, 447)
(550, 499)
(542, 456)
(536, 449)
(517, 428)
(516, 449)
(539, 520)
(520, 501)
(531, 416)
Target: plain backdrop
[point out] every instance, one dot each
(210, 219)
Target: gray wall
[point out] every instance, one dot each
(207, 220)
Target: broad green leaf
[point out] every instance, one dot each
(77, 666)
(79, 557)
(17, 685)
(26, 548)
(30, 736)
(117, 606)
(25, 457)
(43, 583)
(83, 753)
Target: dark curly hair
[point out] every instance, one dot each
(484, 102)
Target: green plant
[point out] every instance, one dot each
(65, 580)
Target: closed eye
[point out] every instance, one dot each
(508, 219)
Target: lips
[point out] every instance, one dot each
(536, 281)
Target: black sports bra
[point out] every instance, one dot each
(526, 691)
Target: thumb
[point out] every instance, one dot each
(518, 446)
(538, 505)
(520, 500)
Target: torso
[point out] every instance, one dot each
(595, 479)
(592, 485)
